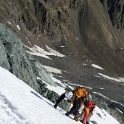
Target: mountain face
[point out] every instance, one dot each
(85, 31)
(82, 26)
(115, 10)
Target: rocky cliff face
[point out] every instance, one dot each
(115, 10)
(82, 26)
(99, 36)
(17, 61)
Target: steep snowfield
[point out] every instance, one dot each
(20, 104)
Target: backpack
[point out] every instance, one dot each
(80, 92)
(90, 104)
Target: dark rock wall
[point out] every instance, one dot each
(99, 37)
(115, 10)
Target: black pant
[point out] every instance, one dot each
(75, 107)
(60, 99)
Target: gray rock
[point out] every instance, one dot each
(15, 59)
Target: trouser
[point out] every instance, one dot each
(75, 107)
(60, 99)
(88, 119)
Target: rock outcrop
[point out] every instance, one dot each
(15, 59)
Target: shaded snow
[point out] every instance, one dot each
(97, 66)
(112, 78)
(9, 23)
(38, 51)
(18, 27)
(53, 70)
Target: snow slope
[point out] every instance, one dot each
(20, 104)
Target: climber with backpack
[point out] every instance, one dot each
(71, 96)
(86, 113)
(79, 95)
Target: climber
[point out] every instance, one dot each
(79, 96)
(87, 112)
(71, 96)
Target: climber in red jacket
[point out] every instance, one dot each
(87, 112)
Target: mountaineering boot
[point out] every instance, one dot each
(67, 113)
(55, 106)
(77, 117)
